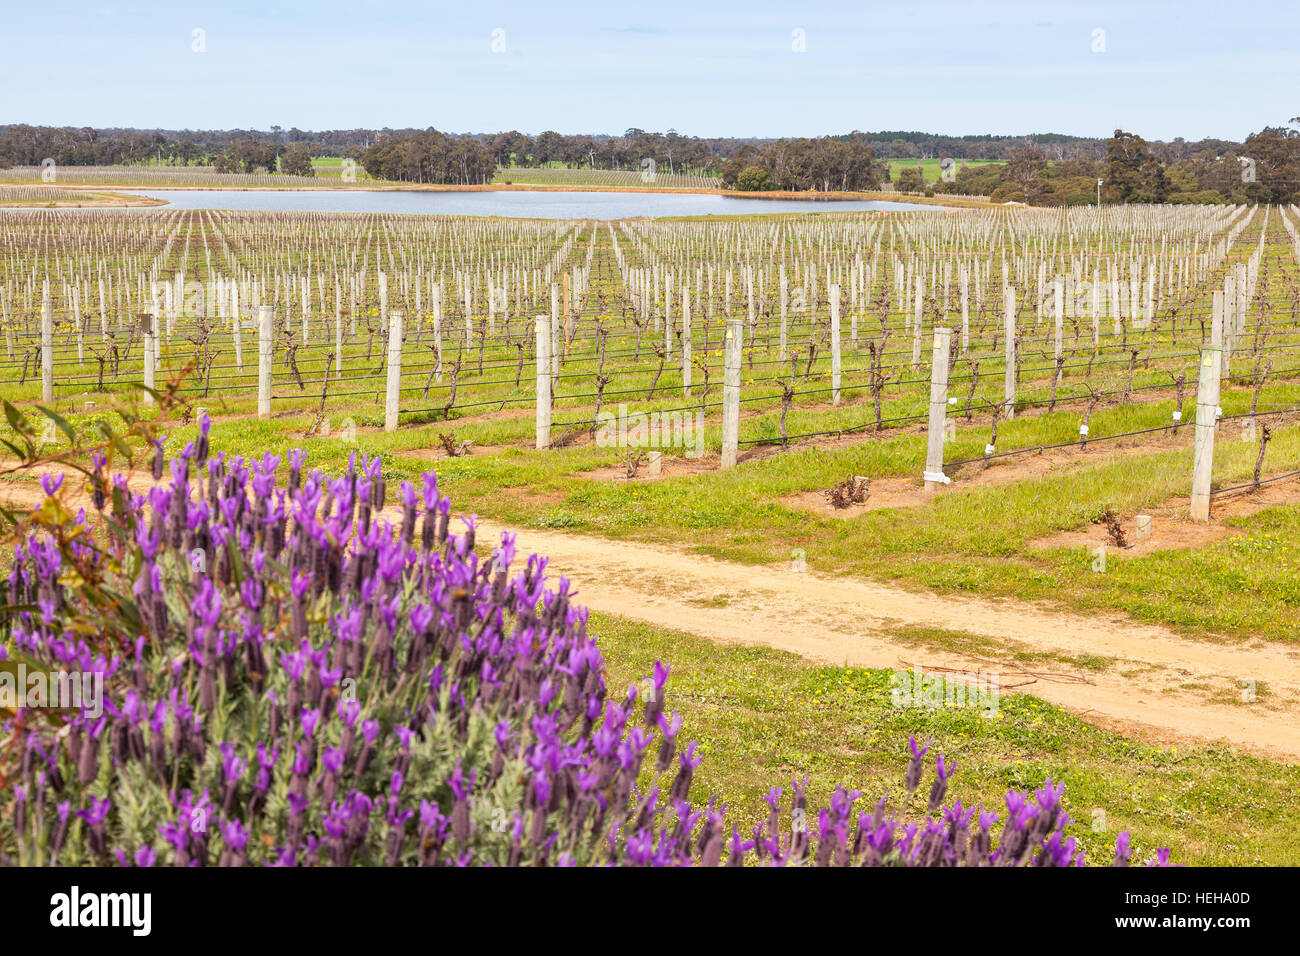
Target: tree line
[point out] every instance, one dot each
(830, 163)
(22, 145)
(824, 165)
(1042, 169)
(1263, 169)
(430, 157)
(675, 152)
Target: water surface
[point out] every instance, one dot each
(517, 203)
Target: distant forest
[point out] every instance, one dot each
(1047, 169)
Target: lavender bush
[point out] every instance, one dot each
(291, 679)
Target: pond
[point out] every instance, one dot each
(517, 203)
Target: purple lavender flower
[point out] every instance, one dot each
(313, 605)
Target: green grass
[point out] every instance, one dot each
(330, 168)
(764, 717)
(576, 176)
(972, 539)
(930, 170)
(983, 540)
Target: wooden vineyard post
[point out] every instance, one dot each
(544, 380)
(751, 314)
(1207, 418)
(731, 392)
(76, 325)
(553, 349)
(853, 311)
(1093, 292)
(103, 313)
(965, 312)
(570, 327)
(305, 289)
(338, 331)
(1058, 315)
(264, 347)
(1009, 310)
(835, 344)
(668, 320)
(916, 322)
(47, 347)
(785, 304)
(934, 476)
(234, 326)
(1228, 311)
(469, 313)
(150, 343)
(1216, 333)
(686, 341)
(668, 317)
(437, 329)
(393, 393)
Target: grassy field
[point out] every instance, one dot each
(930, 170)
(331, 167)
(565, 176)
(979, 540)
(762, 717)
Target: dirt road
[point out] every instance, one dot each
(1158, 682)
(1161, 680)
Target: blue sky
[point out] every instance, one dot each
(725, 68)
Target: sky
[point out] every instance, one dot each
(706, 68)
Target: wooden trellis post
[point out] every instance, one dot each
(835, 344)
(47, 347)
(1009, 377)
(934, 476)
(785, 304)
(1207, 419)
(917, 321)
(686, 341)
(236, 340)
(544, 378)
(338, 331)
(265, 315)
(731, 392)
(1058, 316)
(393, 393)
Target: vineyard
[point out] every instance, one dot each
(1092, 327)
(1090, 411)
(159, 177)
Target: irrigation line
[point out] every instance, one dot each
(1251, 485)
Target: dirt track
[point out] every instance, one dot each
(1160, 684)
(840, 620)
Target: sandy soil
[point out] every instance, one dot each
(1161, 684)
